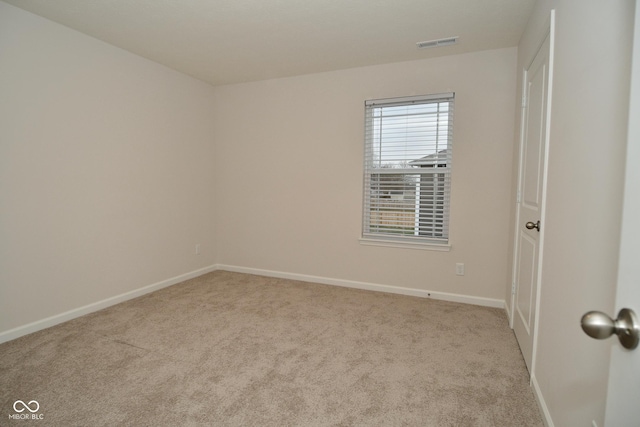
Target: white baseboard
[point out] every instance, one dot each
(487, 302)
(544, 410)
(90, 308)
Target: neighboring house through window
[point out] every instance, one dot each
(407, 180)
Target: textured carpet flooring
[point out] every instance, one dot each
(229, 349)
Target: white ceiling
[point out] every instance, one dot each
(231, 41)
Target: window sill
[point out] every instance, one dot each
(442, 247)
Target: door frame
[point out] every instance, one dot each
(551, 33)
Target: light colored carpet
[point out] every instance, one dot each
(231, 349)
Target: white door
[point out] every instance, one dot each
(529, 233)
(623, 394)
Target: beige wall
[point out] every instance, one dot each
(106, 175)
(586, 166)
(289, 174)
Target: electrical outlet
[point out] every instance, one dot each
(459, 269)
(197, 250)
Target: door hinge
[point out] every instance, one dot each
(518, 197)
(524, 102)
(513, 288)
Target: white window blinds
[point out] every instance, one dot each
(407, 168)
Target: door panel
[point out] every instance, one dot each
(526, 279)
(530, 203)
(533, 144)
(624, 371)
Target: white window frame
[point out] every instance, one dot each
(386, 183)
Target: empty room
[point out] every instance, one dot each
(319, 213)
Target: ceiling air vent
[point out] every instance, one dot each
(437, 43)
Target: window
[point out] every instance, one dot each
(408, 169)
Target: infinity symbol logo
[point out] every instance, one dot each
(26, 406)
